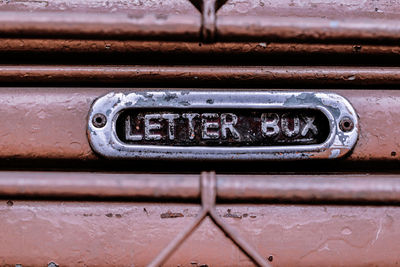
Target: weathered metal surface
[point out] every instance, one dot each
(208, 185)
(93, 25)
(103, 185)
(101, 6)
(66, 46)
(51, 123)
(215, 127)
(345, 188)
(301, 29)
(274, 142)
(361, 230)
(378, 188)
(247, 20)
(35, 233)
(232, 75)
(328, 8)
(187, 28)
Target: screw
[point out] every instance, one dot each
(99, 120)
(346, 124)
(52, 264)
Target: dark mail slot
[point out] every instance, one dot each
(222, 127)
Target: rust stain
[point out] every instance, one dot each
(170, 214)
(312, 235)
(234, 215)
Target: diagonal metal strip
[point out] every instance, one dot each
(208, 197)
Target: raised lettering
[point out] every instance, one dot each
(285, 125)
(310, 126)
(269, 124)
(149, 127)
(190, 117)
(207, 125)
(171, 124)
(228, 125)
(128, 131)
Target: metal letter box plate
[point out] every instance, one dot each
(222, 125)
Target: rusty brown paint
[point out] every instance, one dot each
(104, 185)
(306, 29)
(187, 28)
(65, 46)
(347, 188)
(102, 6)
(76, 233)
(51, 122)
(208, 197)
(244, 75)
(328, 8)
(117, 26)
(247, 20)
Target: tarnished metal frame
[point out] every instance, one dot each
(105, 141)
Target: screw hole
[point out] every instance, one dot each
(99, 120)
(346, 124)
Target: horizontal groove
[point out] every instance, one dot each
(313, 75)
(232, 188)
(187, 27)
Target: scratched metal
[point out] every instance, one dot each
(286, 21)
(229, 127)
(89, 233)
(208, 186)
(105, 141)
(238, 188)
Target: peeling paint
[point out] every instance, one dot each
(332, 105)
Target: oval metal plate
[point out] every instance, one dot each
(231, 125)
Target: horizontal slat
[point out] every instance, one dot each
(66, 46)
(102, 6)
(327, 8)
(303, 29)
(304, 188)
(84, 25)
(81, 184)
(187, 27)
(245, 75)
(325, 188)
(50, 123)
(248, 20)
